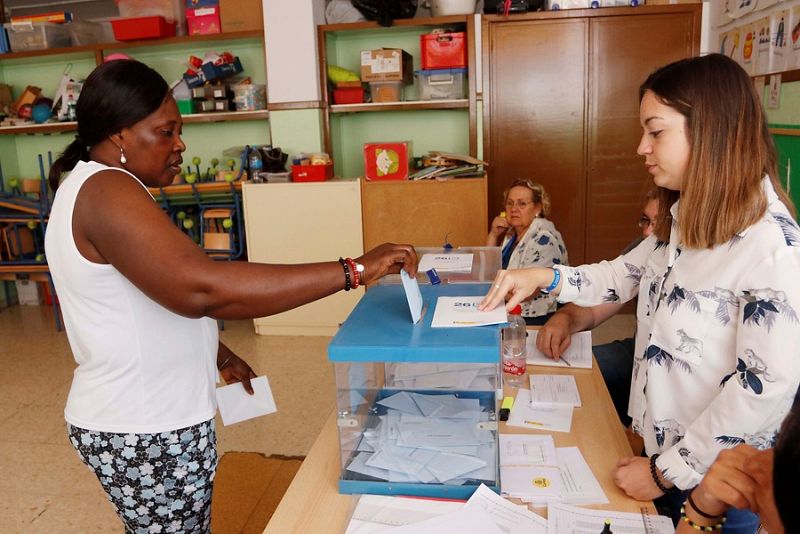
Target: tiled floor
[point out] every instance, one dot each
(44, 488)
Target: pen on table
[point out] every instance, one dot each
(534, 423)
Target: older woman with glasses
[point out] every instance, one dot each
(528, 239)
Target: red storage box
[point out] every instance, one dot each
(203, 20)
(443, 50)
(312, 173)
(348, 95)
(386, 161)
(142, 28)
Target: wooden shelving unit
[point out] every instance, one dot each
(60, 127)
(400, 106)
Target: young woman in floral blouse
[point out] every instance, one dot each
(719, 294)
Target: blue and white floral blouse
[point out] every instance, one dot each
(717, 359)
(540, 246)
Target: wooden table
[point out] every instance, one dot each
(313, 503)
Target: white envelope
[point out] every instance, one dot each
(236, 405)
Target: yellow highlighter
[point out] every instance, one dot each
(505, 409)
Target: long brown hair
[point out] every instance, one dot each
(731, 150)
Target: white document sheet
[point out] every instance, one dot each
(236, 405)
(446, 263)
(374, 513)
(473, 520)
(527, 449)
(413, 296)
(565, 519)
(510, 518)
(554, 417)
(554, 389)
(459, 312)
(580, 487)
(578, 355)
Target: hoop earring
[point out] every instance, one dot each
(122, 158)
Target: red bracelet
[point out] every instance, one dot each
(354, 272)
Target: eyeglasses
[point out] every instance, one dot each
(521, 204)
(645, 222)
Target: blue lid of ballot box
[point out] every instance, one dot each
(380, 330)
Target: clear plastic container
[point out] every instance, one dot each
(85, 33)
(442, 84)
(386, 91)
(249, 97)
(514, 351)
(23, 36)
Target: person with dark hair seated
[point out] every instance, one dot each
(744, 477)
(140, 300)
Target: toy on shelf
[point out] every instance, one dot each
(213, 66)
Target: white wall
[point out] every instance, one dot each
(290, 29)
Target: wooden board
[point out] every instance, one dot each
(425, 213)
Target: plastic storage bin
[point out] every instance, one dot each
(442, 84)
(452, 7)
(312, 173)
(24, 36)
(85, 33)
(391, 375)
(386, 91)
(348, 95)
(142, 28)
(249, 97)
(443, 50)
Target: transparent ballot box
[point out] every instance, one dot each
(417, 406)
(462, 265)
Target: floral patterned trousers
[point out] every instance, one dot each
(157, 482)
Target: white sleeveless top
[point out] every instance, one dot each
(141, 368)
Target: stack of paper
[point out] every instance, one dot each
(554, 389)
(460, 376)
(533, 470)
(578, 355)
(552, 417)
(484, 513)
(427, 439)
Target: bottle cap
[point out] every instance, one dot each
(517, 310)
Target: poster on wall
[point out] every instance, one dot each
(742, 7)
(725, 15)
(748, 38)
(763, 4)
(763, 39)
(779, 44)
(793, 54)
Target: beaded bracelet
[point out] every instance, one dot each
(654, 474)
(697, 509)
(354, 270)
(709, 528)
(346, 268)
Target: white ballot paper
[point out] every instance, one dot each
(236, 405)
(579, 485)
(374, 513)
(413, 295)
(554, 389)
(446, 263)
(578, 355)
(454, 312)
(564, 519)
(554, 417)
(509, 517)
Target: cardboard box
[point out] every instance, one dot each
(203, 20)
(241, 15)
(386, 65)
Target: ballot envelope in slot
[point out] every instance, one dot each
(417, 406)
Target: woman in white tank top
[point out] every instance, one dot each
(140, 300)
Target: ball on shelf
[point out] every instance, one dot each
(181, 215)
(227, 224)
(41, 113)
(32, 224)
(188, 224)
(190, 178)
